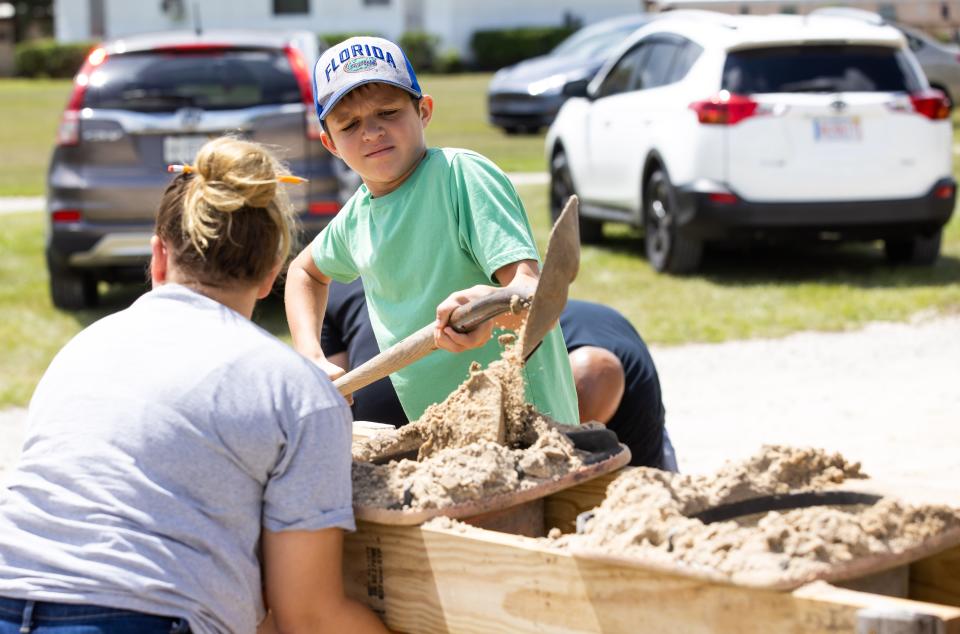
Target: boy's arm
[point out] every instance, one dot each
(522, 275)
(303, 580)
(305, 295)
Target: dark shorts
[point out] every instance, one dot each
(18, 616)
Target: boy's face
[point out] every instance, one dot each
(377, 130)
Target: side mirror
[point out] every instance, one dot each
(576, 88)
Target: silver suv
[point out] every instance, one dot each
(143, 102)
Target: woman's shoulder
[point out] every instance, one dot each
(282, 369)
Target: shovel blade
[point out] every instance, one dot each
(560, 267)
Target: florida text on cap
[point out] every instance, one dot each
(357, 61)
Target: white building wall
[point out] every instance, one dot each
(71, 22)
(454, 21)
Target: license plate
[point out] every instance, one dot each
(182, 149)
(833, 129)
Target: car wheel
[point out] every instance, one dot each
(70, 290)
(915, 250)
(561, 188)
(668, 251)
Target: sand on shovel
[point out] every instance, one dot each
(482, 440)
(646, 515)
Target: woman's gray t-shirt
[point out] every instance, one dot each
(160, 440)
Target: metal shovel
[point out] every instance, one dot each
(560, 267)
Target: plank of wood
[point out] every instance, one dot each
(825, 600)
(937, 578)
(561, 508)
(894, 582)
(365, 429)
(426, 580)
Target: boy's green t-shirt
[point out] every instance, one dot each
(449, 226)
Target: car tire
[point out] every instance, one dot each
(919, 249)
(561, 188)
(667, 249)
(70, 290)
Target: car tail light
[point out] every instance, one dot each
(722, 198)
(932, 104)
(726, 108)
(323, 208)
(64, 216)
(69, 131)
(944, 192)
(302, 74)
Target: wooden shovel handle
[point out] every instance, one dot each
(400, 355)
(419, 344)
(467, 317)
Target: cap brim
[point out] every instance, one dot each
(337, 96)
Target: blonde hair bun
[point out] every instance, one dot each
(236, 173)
(231, 174)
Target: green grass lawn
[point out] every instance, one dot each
(31, 111)
(741, 293)
(460, 120)
(761, 292)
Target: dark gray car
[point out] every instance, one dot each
(527, 96)
(141, 103)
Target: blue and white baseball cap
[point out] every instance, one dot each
(358, 61)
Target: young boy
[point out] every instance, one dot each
(428, 230)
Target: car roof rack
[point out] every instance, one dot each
(851, 13)
(702, 15)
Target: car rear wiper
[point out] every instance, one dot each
(140, 97)
(812, 85)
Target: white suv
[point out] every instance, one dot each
(706, 127)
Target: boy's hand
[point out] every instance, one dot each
(449, 339)
(334, 371)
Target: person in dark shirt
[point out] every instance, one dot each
(348, 341)
(616, 380)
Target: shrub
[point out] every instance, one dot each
(493, 49)
(449, 62)
(47, 58)
(421, 49)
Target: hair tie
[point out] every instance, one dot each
(177, 168)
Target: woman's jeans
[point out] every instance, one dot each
(43, 617)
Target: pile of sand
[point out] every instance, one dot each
(462, 474)
(646, 515)
(483, 440)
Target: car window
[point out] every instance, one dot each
(818, 69)
(620, 77)
(589, 43)
(915, 42)
(684, 61)
(217, 80)
(656, 66)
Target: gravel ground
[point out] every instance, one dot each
(886, 395)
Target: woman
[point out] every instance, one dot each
(182, 464)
